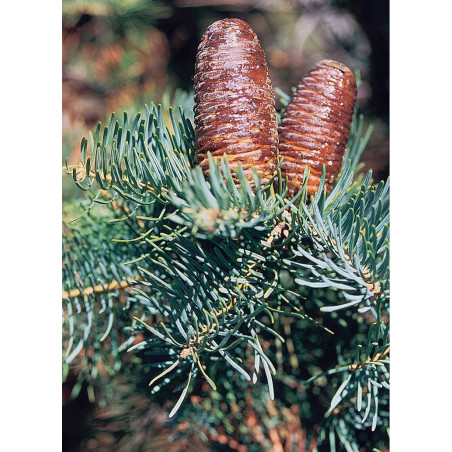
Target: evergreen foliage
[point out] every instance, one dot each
(202, 280)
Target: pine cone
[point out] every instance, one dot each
(234, 102)
(316, 124)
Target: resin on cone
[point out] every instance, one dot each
(316, 125)
(234, 101)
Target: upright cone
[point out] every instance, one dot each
(316, 125)
(234, 101)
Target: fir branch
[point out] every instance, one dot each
(138, 158)
(216, 263)
(343, 248)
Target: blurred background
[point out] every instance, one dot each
(121, 54)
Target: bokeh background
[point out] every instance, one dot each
(121, 54)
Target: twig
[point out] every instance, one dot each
(378, 356)
(114, 285)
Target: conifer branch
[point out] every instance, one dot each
(217, 261)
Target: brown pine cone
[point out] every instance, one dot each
(234, 102)
(316, 125)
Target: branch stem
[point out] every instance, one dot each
(114, 285)
(368, 361)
